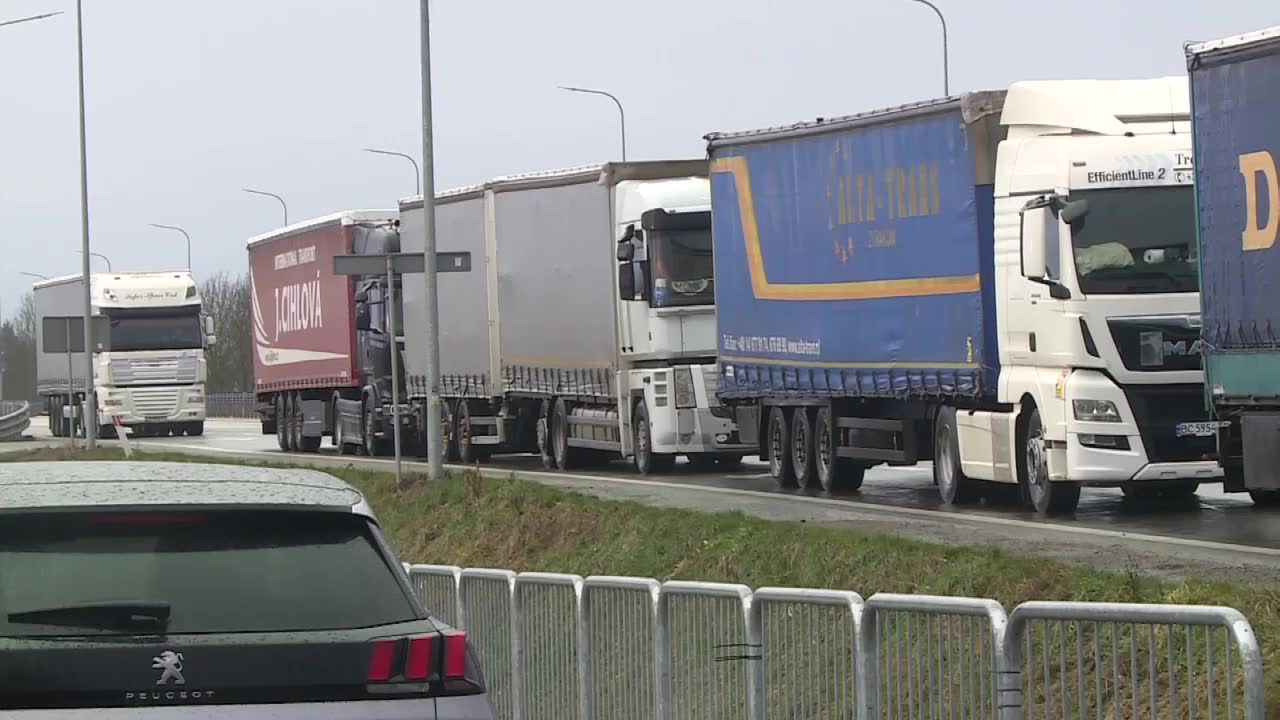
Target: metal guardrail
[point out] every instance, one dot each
(231, 405)
(15, 418)
(558, 646)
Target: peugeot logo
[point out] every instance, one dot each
(170, 665)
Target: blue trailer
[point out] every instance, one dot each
(854, 275)
(1235, 87)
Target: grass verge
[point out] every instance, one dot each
(471, 521)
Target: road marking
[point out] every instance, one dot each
(847, 505)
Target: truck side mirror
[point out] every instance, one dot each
(210, 340)
(1039, 235)
(626, 252)
(362, 317)
(209, 329)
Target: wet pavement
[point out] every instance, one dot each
(1211, 516)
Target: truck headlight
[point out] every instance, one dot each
(685, 397)
(195, 397)
(1096, 411)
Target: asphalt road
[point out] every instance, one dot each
(1215, 533)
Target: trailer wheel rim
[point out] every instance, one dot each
(946, 464)
(777, 452)
(1037, 466)
(800, 444)
(822, 444)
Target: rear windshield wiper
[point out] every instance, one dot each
(128, 614)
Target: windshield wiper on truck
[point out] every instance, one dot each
(124, 614)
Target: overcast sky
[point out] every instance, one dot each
(191, 100)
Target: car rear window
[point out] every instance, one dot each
(218, 571)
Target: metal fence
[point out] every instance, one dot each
(231, 405)
(14, 418)
(558, 646)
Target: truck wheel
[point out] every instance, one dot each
(953, 486)
(282, 425)
(368, 437)
(1265, 498)
(543, 429)
(466, 452)
(339, 437)
(835, 474)
(802, 465)
(646, 460)
(778, 435)
(293, 408)
(565, 456)
(1038, 493)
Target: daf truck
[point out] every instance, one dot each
(1004, 283)
(148, 361)
(321, 342)
(588, 332)
(1235, 95)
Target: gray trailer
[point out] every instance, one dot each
(565, 340)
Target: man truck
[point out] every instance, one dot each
(321, 347)
(1236, 100)
(148, 364)
(589, 329)
(1002, 282)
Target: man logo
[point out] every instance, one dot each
(1181, 348)
(170, 663)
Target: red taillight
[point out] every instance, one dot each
(421, 655)
(382, 664)
(455, 656)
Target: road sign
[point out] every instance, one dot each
(401, 263)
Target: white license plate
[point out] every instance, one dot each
(1196, 429)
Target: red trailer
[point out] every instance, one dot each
(317, 336)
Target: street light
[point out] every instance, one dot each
(622, 116)
(417, 173)
(430, 304)
(34, 275)
(29, 19)
(946, 75)
(184, 233)
(264, 193)
(104, 259)
(90, 399)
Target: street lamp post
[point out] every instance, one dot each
(435, 432)
(184, 234)
(417, 173)
(90, 419)
(264, 193)
(946, 74)
(622, 115)
(34, 275)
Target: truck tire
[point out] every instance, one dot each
(954, 487)
(543, 430)
(1038, 493)
(565, 456)
(293, 409)
(1265, 498)
(778, 436)
(647, 462)
(339, 437)
(835, 474)
(369, 442)
(467, 453)
(282, 425)
(801, 456)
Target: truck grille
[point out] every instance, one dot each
(1157, 343)
(1158, 409)
(158, 403)
(155, 371)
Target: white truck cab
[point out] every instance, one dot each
(1097, 292)
(667, 324)
(149, 365)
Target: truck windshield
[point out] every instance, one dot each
(1136, 240)
(152, 332)
(681, 263)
